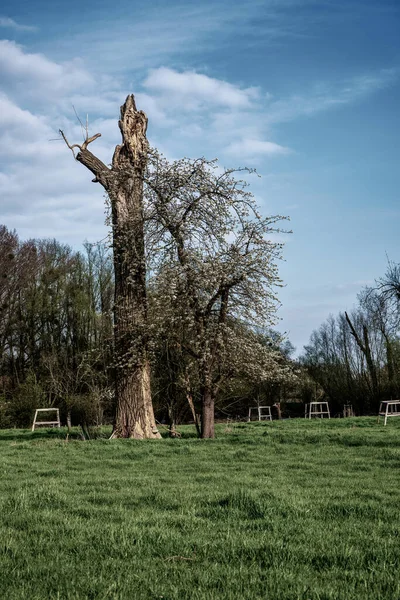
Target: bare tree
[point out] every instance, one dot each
(123, 182)
(365, 347)
(389, 285)
(382, 312)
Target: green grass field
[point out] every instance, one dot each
(285, 510)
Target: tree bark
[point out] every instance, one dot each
(207, 417)
(278, 409)
(69, 421)
(134, 414)
(171, 423)
(134, 417)
(196, 417)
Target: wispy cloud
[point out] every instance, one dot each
(209, 113)
(11, 24)
(192, 90)
(151, 34)
(249, 148)
(146, 37)
(325, 96)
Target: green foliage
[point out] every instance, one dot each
(5, 417)
(91, 409)
(285, 510)
(27, 398)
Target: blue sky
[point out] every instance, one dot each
(305, 91)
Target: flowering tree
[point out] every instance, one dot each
(210, 254)
(214, 265)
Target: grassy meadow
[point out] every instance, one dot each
(285, 510)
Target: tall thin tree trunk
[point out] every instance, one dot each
(171, 422)
(69, 420)
(123, 182)
(370, 362)
(365, 348)
(196, 417)
(189, 397)
(207, 417)
(390, 366)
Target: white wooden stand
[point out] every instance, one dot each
(264, 413)
(54, 423)
(389, 408)
(317, 409)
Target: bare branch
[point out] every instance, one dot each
(71, 147)
(83, 129)
(90, 140)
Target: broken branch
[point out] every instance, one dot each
(71, 147)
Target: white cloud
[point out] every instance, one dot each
(207, 115)
(253, 147)
(154, 110)
(189, 113)
(11, 24)
(12, 116)
(191, 90)
(44, 192)
(36, 75)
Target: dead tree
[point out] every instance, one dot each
(123, 182)
(365, 348)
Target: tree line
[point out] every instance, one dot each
(354, 357)
(177, 314)
(56, 335)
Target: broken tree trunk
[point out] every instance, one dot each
(365, 348)
(123, 182)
